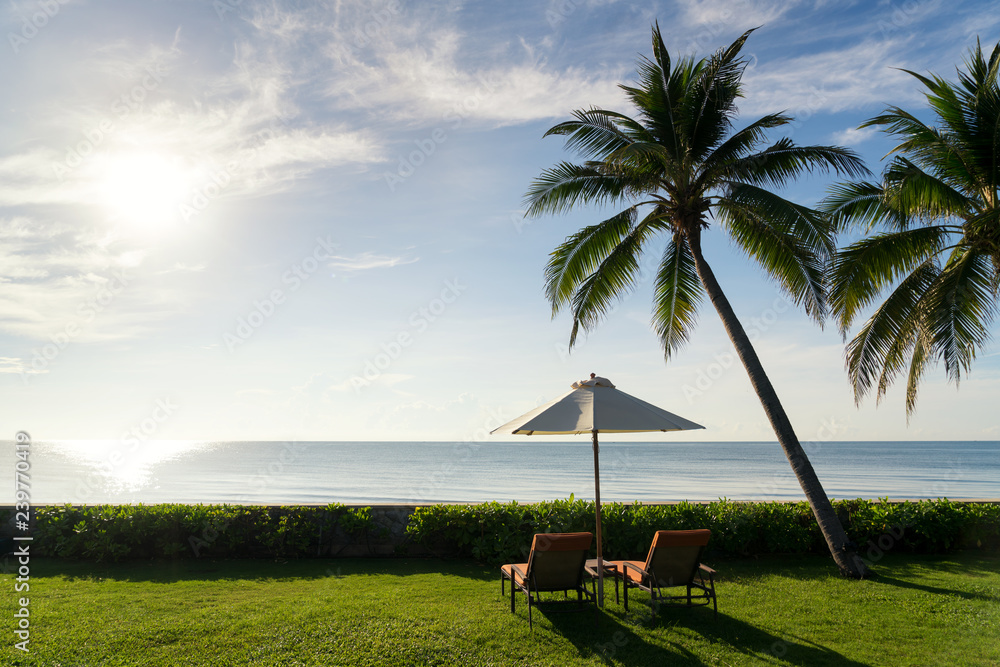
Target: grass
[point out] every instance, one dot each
(772, 611)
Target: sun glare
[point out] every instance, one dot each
(144, 189)
(121, 465)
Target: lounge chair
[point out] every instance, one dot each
(673, 560)
(556, 563)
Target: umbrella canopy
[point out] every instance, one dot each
(596, 406)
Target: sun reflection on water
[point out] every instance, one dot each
(124, 466)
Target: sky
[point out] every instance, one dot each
(243, 220)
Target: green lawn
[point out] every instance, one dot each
(773, 611)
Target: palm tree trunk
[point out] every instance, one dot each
(847, 560)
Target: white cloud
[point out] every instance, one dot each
(413, 83)
(830, 81)
(368, 260)
(70, 283)
(181, 266)
(239, 137)
(359, 384)
(716, 16)
(411, 63)
(853, 136)
(18, 365)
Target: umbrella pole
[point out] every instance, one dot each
(597, 511)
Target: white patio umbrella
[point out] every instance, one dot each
(596, 406)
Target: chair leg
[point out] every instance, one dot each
(715, 600)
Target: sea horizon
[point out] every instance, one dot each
(526, 470)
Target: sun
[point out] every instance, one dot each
(144, 189)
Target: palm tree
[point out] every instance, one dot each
(937, 240)
(675, 168)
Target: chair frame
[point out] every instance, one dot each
(524, 577)
(649, 582)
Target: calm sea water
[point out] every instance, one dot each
(529, 470)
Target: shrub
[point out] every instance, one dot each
(497, 533)
(501, 532)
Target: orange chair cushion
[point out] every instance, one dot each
(549, 542)
(681, 538)
(628, 573)
(509, 572)
(562, 541)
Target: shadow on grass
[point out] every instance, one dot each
(635, 640)
(168, 571)
(950, 592)
(964, 563)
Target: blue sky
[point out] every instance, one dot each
(269, 220)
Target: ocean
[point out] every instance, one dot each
(78, 471)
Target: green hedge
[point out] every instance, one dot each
(114, 532)
(495, 532)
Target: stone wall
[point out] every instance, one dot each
(388, 537)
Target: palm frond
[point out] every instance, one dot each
(614, 277)
(909, 188)
(581, 254)
(662, 86)
(861, 204)
(790, 242)
(677, 294)
(596, 132)
(879, 349)
(785, 161)
(961, 306)
(864, 269)
(919, 360)
(566, 185)
(711, 106)
(741, 144)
